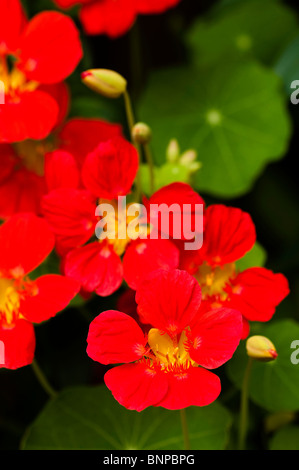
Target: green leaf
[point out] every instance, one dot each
(287, 65)
(243, 30)
(90, 418)
(235, 118)
(273, 385)
(286, 438)
(255, 257)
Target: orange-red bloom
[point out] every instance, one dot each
(34, 55)
(228, 235)
(108, 171)
(25, 241)
(167, 366)
(114, 17)
(30, 169)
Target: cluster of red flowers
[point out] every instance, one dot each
(190, 309)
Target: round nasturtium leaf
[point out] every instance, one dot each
(244, 29)
(273, 385)
(234, 116)
(89, 418)
(286, 438)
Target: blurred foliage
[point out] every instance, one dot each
(275, 385)
(89, 418)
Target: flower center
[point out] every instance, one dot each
(213, 280)
(118, 229)
(9, 303)
(14, 80)
(169, 353)
(32, 154)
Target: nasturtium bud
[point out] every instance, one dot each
(261, 348)
(105, 82)
(173, 151)
(141, 133)
(188, 157)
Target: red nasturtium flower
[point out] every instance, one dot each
(108, 172)
(25, 241)
(34, 55)
(229, 234)
(114, 17)
(167, 366)
(30, 169)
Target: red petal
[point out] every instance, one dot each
(246, 329)
(21, 192)
(136, 386)
(53, 294)
(50, 48)
(145, 256)
(215, 337)
(61, 94)
(229, 234)
(109, 171)
(8, 161)
(12, 20)
(182, 206)
(32, 115)
(155, 6)
(114, 337)
(194, 387)
(256, 293)
(81, 136)
(96, 266)
(19, 345)
(168, 300)
(25, 241)
(71, 216)
(70, 3)
(61, 170)
(106, 17)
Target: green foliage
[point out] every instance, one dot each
(236, 128)
(243, 30)
(286, 438)
(89, 418)
(273, 386)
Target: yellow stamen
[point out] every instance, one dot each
(9, 303)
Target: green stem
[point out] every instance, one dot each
(131, 123)
(185, 430)
(150, 163)
(129, 112)
(244, 405)
(43, 380)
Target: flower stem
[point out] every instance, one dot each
(43, 380)
(244, 405)
(185, 429)
(131, 123)
(129, 111)
(150, 163)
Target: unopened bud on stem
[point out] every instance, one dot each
(261, 349)
(105, 82)
(141, 133)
